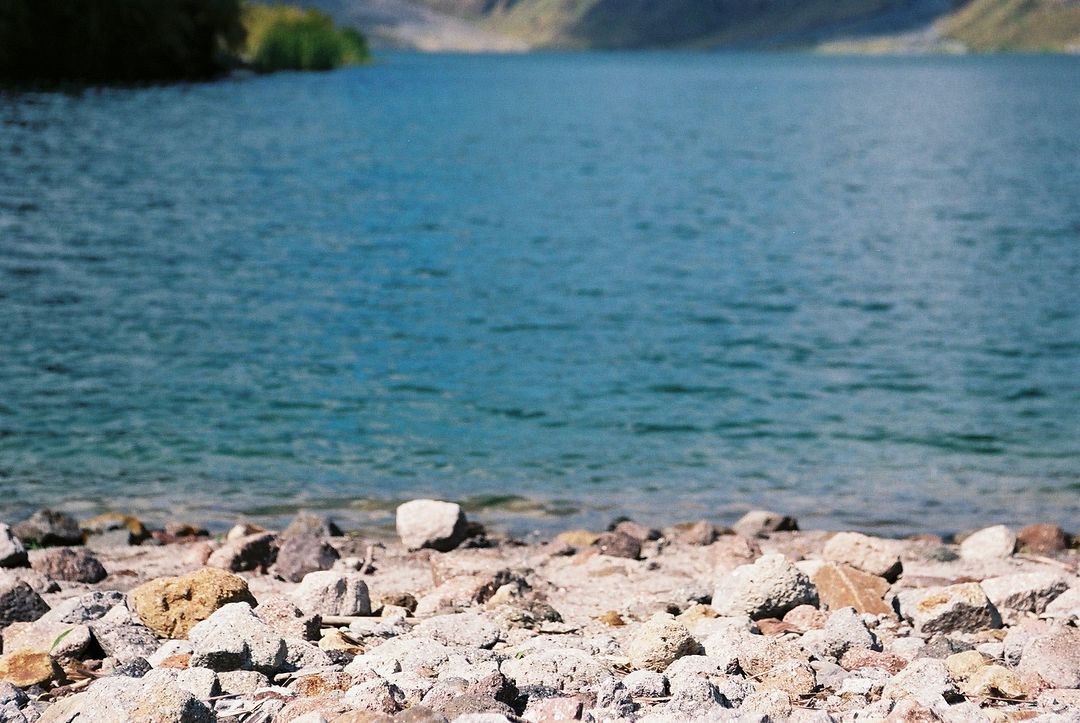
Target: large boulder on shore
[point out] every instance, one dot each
(431, 523)
(770, 587)
(172, 606)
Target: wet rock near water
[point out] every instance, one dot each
(47, 528)
(629, 624)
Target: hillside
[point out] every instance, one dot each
(838, 25)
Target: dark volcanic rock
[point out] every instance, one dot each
(19, 603)
(12, 552)
(618, 544)
(71, 564)
(46, 528)
(302, 554)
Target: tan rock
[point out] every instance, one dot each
(171, 606)
(64, 641)
(1042, 539)
(841, 586)
(578, 538)
(963, 665)
(334, 639)
(659, 641)
(320, 684)
(794, 677)
(24, 668)
(871, 555)
(995, 681)
(859, 658)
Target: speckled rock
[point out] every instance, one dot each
(956, 608)
(301, 554)
(1054, 657)
(768, 588)
(333, 592)
(24, 668)
(872, 555)
(256, 551)
(659, 642)
(287, 619)
(562, 669)
(1025, 592)
(19, 603)
(233, 638)
(63, 641)
(924, 679)
(71, 564)
(171, 606)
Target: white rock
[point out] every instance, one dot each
(12, 552)
(1025, 592)
(646, 684)
(843, 630)
(658, 642)
(563, 669)
(467, 629)
(956, 608)
(768, 588)
(241, 682)
(168, 649)
(869, 554)
(200, 682)
(1065, 606)
(926, 680)
(1054, 657)
(233, 638)
(759, 523)
(333, 592)
(694, 698)
(118, 699)
(990, 543)
(431, 523)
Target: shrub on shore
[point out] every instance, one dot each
(282, 37)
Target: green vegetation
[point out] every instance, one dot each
(281, 37)
(116, 40)
(1025, 25)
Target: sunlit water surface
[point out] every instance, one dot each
(560, 287)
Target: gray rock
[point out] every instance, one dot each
(1025, 592)
(869, 554)
(333, 592)
(200, 682)
(759, 523)
(843, 630)
(768, 588)
(118, 699)
(12, 552)
(169, 648)
(63, 641)
(249, 552)
(71, 564)
(1065, 606)
(776, 704)
(926, 680)
(241, 682)
(125, 642)
(431, 523)
(470, 703)
(301, 554)
(86, 608)
(301, 654)
(462, 629)
(1054, 657)
(990, 543)
(407, 652)
(563, 669)
(19, 603)
(758, 654)
(705, 666)
(233, 638)
(310, 524)
(376, 695)
(10, 694)
(646, 684)
(287, 619)
(694, 698)
(134, 668)
(794, 677)
(956, 608)
(46, 528)
(660, 641)
(618, 544)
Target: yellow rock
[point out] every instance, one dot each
(963, 665)
(994, 680)
(171, 606)
(336, 640)
(24, 668)
(577, 538)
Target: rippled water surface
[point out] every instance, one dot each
(669, 286)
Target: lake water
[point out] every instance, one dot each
(561, 287)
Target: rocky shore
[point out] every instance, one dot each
(104, 620)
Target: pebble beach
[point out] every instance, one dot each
(107, 620)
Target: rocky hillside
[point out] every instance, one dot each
(845, 25)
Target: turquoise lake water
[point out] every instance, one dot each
(561, 287)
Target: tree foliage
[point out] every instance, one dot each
(117, 40)
(281, 37)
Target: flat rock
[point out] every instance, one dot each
(171, 606)
(86, 608)
(12, 551)
(461, 629)
(47, 528)
(333, 592)
(301, 554)
(768, 588)
(431, 523)
(659, 641)
(24, 668)
(989, 543)
(1054, 657)
(63, 641)
(840, 586)
(759, 523)
(1042, 539)
(233, 638)
(249, 552)
(955, 608)
(19, 603)
(872, 555)
(71, 564)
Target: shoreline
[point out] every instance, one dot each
(633, 623)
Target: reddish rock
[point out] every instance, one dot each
(618, 544)
(806, 617)
(639, 532)
(250, 552)
(858, 658)
(550, 710)
(180, 661)
(701, 532)
(70, 564)
(842, 586)
(1042, 539)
